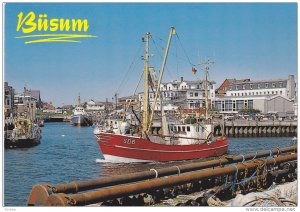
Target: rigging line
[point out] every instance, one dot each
(184, 51)
(177, 61)
(125, 81)
(176, 55)
(133, 94)
(130, 67)
(151, 37)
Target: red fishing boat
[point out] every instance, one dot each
(123, 141)
(124, 148)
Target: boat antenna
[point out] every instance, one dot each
(116, 101)
(206, 68)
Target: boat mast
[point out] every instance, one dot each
(78, 100)
(206, 93)
(172, 32)
(146, 87)
(206, 68)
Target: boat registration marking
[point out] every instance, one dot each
(129, 141)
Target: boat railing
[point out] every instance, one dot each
(182, 137)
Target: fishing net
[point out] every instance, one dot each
(277, 195)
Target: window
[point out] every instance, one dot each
(239, 104)
(250, 104)
(251, 86)
(188, 128)
(179, 128)
(244, 87)
(280, 84)
(258, 86)
(228, 105)
(191, 94)
(183, 128)
(196, 94)
(273, 85)
(267, 85)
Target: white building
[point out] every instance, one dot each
(266, 104)
(95, 106)
(184, 94)
(269, 96)
(282, 87)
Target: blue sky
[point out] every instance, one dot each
(246, 40)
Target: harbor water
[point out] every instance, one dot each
(69, 153)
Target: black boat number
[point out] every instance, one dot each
(129, 141)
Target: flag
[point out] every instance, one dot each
(194, 71)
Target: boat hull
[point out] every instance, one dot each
(123, 148)
(80, 120)
(22, 143)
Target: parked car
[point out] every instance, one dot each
(229, 117)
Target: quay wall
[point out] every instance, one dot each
(257, 129)
(248, 128)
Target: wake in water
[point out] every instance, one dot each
(101, 160)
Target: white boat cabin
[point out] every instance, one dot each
(189, 133)
(79, 111)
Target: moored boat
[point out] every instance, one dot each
(80, 116)
(24, 135)
(176, 141)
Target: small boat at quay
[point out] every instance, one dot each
(25, 134)
(122, 141)
(80, 116)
